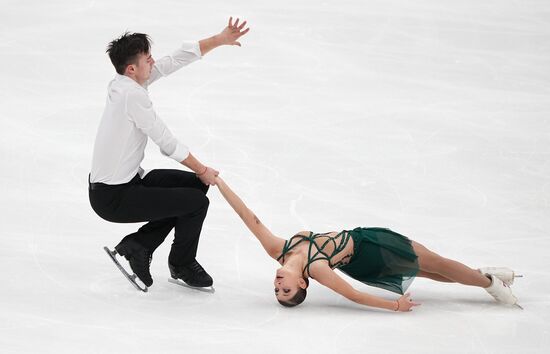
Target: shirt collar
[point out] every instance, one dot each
(124, 78)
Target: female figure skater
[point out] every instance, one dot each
(374, 256)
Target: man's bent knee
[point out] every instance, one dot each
(202, 202)
(205, 201)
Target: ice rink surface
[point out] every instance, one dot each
(428, 117)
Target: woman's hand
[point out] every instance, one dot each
(232, 32)
(405, 303)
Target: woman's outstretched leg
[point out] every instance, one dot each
(439, 268)
(431, 262)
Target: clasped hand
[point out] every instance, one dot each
(209, 176)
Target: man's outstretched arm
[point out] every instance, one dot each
(192, 51)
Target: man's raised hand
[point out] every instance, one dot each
(232, 32)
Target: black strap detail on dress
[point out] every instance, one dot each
(319, 252)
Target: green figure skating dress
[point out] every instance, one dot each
(381, 257)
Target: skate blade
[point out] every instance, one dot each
(510, 282)
(209, 290)
(518, 305)
(131, 278)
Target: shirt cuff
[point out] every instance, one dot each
(192, 47)
(181, 153)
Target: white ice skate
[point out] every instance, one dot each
(507, 275)
(501, 292)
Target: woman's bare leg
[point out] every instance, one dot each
(434, 276)
(430, 262)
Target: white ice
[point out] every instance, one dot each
(430, 117)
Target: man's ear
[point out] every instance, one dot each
(302, 283)
(130, 69)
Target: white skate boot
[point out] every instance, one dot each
(507, 275)
(501, 292)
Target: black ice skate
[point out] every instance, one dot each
(191, 276)
(131, 278)
(139, 259)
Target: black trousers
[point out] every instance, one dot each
(167, 199)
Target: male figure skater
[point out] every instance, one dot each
(121, 191)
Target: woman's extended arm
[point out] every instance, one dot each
(326, 276)
(271, 243)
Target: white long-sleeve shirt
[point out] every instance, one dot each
(129, 119)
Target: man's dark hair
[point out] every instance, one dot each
(298, 298)
(124, 50)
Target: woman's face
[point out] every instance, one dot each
(286, 284)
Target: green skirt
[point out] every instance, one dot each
(382, 258)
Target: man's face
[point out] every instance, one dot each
(142, 70)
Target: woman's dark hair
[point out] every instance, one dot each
(298, 298)
(124, 50)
